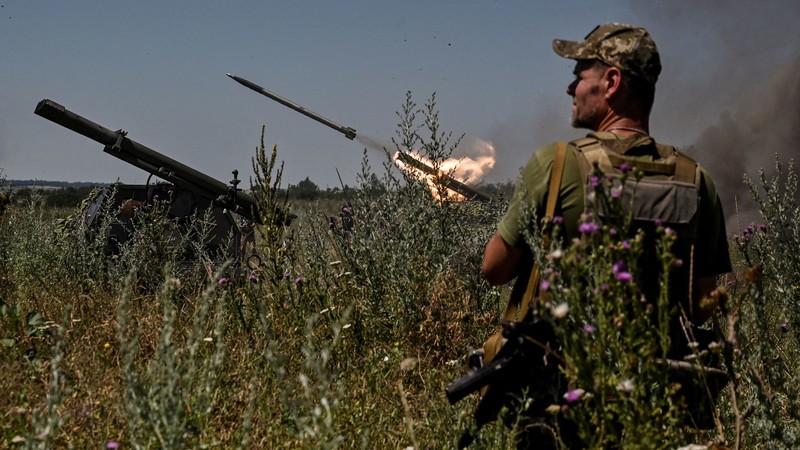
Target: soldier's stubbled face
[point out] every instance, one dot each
(588, 103)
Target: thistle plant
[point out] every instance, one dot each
(407, 252)
(763, 318)
(612, 337)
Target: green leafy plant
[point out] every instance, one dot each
(346, 335)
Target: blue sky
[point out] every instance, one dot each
(157, 70)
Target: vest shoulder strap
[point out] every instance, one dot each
(673, 164)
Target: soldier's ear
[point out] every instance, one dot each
(612, 79)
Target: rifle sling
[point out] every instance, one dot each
(516, 311)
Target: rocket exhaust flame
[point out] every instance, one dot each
(456, 189)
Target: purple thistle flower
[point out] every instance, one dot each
(223, 281)
(588, 328)
(574, 395)
(545, 285)
(659, 222)
(112, 445)
(594, 181)
(612, 231)
(298, 279)
(616, 192)
(626, 244)
(252, 278)
(624, 276)
(618, 267)
(558, 220)
(625, 168)
(287, 273)
(588, 227)
(762, 227)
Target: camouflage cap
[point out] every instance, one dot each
(627, 47)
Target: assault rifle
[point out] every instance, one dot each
(525, 361)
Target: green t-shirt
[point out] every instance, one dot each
(711, 255)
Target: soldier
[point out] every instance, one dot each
(616, 70)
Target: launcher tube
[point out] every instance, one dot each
(117, 144)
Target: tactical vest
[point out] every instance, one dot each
(668, 194)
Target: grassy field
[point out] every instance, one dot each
(346, 338)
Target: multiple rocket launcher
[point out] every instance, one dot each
(117, 144)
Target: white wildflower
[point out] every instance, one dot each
(559, 311)
(555, 254)
(626, 386)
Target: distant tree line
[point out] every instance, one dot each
(61, 194)
(308, 190)
(56, 197)
(21, 184)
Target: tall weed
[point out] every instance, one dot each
(346, 333)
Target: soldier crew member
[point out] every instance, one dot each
(616, 70)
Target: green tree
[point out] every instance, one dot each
(306, 190)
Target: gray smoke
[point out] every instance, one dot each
(517, 138)
(371, 143)
(743, 100)
(749, 136)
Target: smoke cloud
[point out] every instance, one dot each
(749, 137)
(517, 138)
(735, 88)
